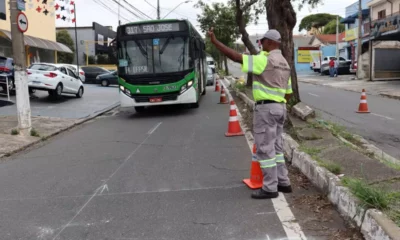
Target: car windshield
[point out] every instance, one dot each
(158, 55)
(210, 62)
(43, 67)
(3, 61)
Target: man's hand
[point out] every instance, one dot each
(211, 35)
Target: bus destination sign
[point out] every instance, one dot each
(153, 28)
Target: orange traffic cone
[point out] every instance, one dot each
(234, 128)
(217, 89)
(222, 98)
(256, 178)
(363, 107)
(232, 108)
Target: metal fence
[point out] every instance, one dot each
(5, 77)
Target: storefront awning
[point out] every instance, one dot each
(354, 16)
(40, 43)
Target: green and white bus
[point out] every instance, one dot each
(160, 62)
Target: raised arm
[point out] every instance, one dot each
(230, 53)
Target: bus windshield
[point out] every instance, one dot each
(151, 56)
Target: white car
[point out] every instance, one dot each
(54, 78)
(81, 72)
(210, 63)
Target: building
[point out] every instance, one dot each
(351, 25)
(92, 40)
(40, 41)
(385, 37)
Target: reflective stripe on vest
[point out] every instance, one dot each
(262, 92)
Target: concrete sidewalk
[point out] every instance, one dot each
(389, 89)
(343, 156)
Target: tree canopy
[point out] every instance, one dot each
(330, 27)
(316, 20)
(64, 38)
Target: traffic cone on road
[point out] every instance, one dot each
(363, 107)
(256, 178)
(217, 89)
(234, 128)
(232, 108)
(222, 98)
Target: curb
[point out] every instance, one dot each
(79, 122)
(374, 224)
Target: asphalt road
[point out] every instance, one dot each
(381, 127)
(167, 174)
(95, 98)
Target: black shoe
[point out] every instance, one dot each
(261, 194)
(285, 189)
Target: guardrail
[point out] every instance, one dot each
(8, 89)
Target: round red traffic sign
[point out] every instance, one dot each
(22, 22)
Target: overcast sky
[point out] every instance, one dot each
(105, 12)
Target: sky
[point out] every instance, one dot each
(105, 12)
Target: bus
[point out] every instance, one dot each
(160, 62)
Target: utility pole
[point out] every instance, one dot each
(337, 38)
(158, 9)
(20, 76)
(359, 43)
(76, 45)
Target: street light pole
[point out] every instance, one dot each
(359, 44)
(76, 44)
(187, 1)
(158, 9)
(20, 76)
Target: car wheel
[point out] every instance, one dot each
(104, 83)
(204, 92)
(140, 109)
(31, 90)
(79, 94)
(58, 90)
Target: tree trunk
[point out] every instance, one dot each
(282, 17)
(240, 21)
(226, 65)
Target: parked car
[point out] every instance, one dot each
(211, 63)
(343, 68)
(91, 72)
(81, 72)
(106, 79)
(210, 77)
(353, 68)
(54, 78)
(7, 72)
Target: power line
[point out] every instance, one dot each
(150, 4)
(137, 9)
(108, 8)
(134, 14)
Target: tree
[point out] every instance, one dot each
(221, 17)
(330, 27)
(318, 21)
(64, 38)
(243, 16)
(282, 17)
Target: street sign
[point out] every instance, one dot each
(22, 22)
(21, 5)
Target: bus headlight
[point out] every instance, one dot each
(186, 86)
(122, 88)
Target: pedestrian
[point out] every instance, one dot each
(271, 90)
(336, 67)
(331, 67)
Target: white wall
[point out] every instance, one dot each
(385, 5)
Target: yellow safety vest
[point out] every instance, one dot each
(271, 75)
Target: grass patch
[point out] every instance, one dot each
(313, 152)
(14, 132)
(240, 86)
(34, 133)
(221, 73)
(331, 167)
(371, 196)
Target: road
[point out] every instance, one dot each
(95, 98)
(381, 127)
(167, 174)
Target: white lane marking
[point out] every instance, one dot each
(154, 128)
(378, 115)
(104, 186)
(312, 94)
(281, 206)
